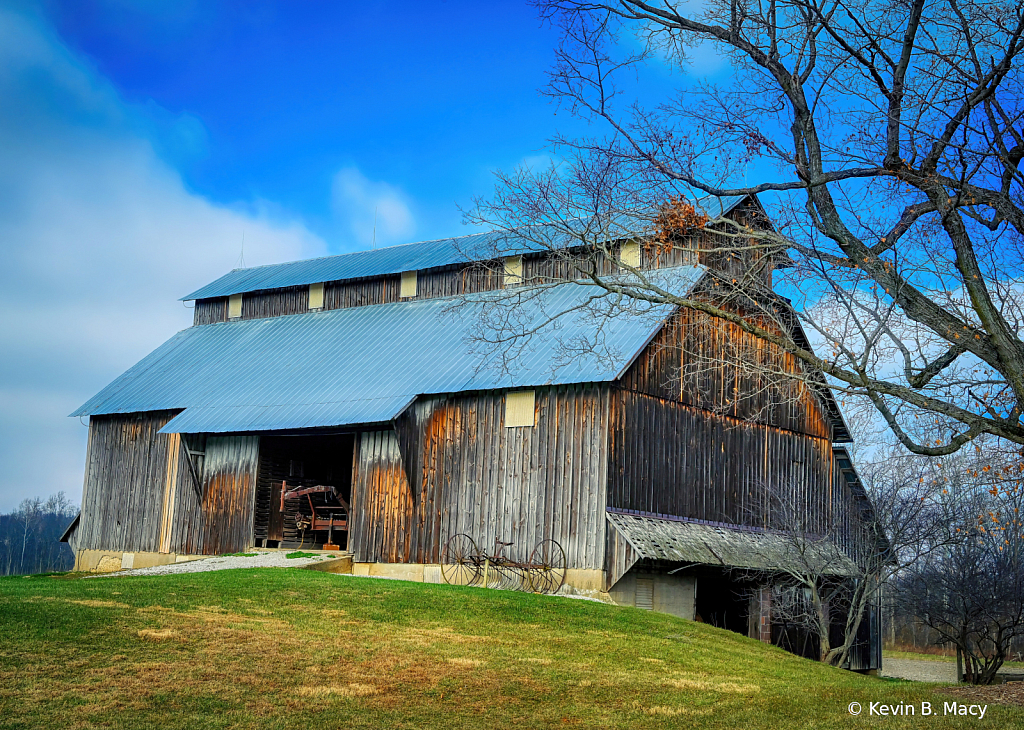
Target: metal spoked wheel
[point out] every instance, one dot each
(548, 567)
(460, 563)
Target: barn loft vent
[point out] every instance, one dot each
(513, 274)
(408, 287)
(630, 254)
(520, 408)
(316, 296)
(234, 306)
(645, 594)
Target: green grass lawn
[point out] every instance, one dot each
(290, 648)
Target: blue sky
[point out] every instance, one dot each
(269, 100)
(141, 141)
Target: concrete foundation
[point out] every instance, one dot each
(582, 581)
(672, 594)
(108, 561)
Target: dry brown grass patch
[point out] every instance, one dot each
(712, 685)
(93, 603)
(465, 662)
(157, 634)
(421, 636)
(353, 689)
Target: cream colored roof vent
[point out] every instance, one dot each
(630, 254)
(408, 286)
(520, 408)
(513, 274)
(316, 296)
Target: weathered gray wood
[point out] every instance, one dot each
(487, 480)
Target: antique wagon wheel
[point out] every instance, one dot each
(548, 567)
(460, 561)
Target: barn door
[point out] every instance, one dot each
(275, 528)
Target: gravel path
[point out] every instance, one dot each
(204, 565)
(920, 670)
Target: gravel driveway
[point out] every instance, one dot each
(227, 562)
(920, 670)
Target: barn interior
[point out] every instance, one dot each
(303, 491)
(722, 599)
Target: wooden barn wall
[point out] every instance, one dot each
(125, 480)
(673, 459)
(209, 311)
(362, 292)
(619, 557)
(275, 302)
(454, 281)
(853, 517)
(710, 364)
(471, 474)
(379, 531)
(139, 495)
(229, 491)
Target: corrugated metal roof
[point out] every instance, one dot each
(680, 541)
(407, 257)
(366, 364)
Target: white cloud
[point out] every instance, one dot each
(98, 239)
(371, 210)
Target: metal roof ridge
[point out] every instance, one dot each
(470, 298)
(723, 210)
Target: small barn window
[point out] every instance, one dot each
(630, 254)
(520, 408)
(316, 296)
(408, 286)
(234, 306)
(513, 274)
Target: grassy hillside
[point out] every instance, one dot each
(302, 649)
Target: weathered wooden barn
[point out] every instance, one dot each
(355, 373)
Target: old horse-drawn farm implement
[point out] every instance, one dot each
(463, 563)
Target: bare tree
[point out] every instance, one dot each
(29, 536)
(826, 572)
(970, 590)
(884, 140)
(28, 515)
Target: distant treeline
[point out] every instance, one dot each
(29, 535)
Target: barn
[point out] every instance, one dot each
(344, 402)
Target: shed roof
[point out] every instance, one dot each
(681, 541)
(407, 257)
(366, 364)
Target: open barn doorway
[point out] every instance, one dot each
(303, 491)
(722, 600)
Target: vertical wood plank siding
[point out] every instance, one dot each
(382, 502)
(125, 476)
(209, 311)
(619, 557)
(671, 459)
(229, 490)
(275, 302)
(127, 471)
(468, 473)
(704, 362)
(361, 292)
